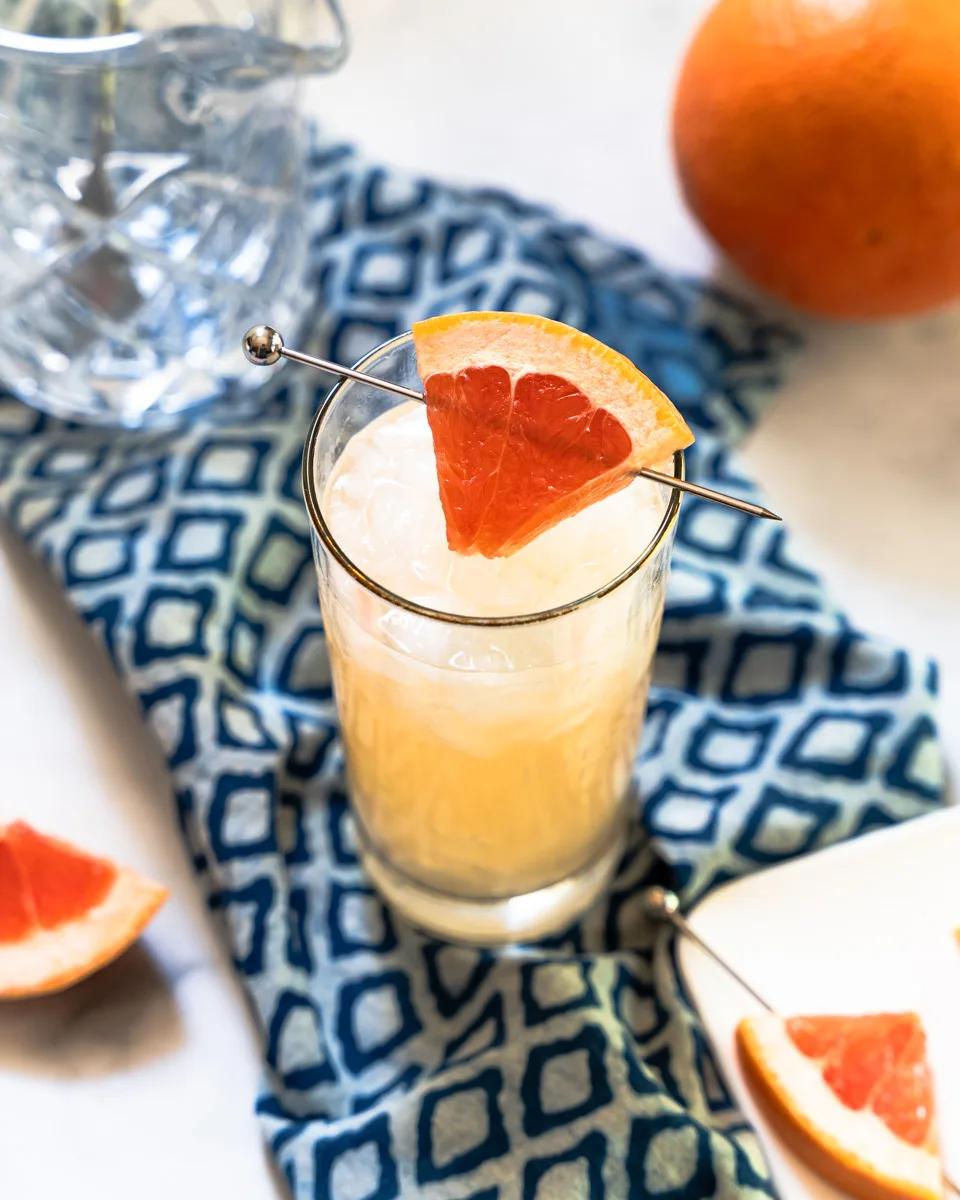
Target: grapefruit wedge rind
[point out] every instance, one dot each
(522, 343)
(532, 421)
(852, 1148)
(64, 914)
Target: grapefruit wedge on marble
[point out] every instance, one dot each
(63, 913)
(532, 421)
(852, 1097)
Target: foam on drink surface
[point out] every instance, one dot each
(383, 507)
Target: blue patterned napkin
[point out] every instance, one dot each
(395, 1064)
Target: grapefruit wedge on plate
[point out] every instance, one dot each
(851, 1096)
(532, 421)
(63, 913)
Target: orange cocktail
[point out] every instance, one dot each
(490, 707)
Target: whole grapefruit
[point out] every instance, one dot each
(818, 141)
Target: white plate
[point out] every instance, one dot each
(868, 926)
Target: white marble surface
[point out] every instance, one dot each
(142, 1081)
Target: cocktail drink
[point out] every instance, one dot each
(490, 706)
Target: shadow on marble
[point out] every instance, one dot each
(123, 1017)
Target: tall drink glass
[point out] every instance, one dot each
(489, 759)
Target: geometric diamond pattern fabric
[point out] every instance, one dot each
(394, 1064)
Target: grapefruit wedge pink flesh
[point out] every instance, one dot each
(532, 421)
(852, 1096)
(876, 1063)
(63, 913)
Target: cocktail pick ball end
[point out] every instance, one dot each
(262, 345)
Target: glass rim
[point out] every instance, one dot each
(79, 51)
(322, 530)
(129, 48)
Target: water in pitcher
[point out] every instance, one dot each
(151, 198)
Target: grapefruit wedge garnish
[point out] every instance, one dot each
(852, 1096)
(532, 421)
(63, 913)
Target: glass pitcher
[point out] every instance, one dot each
(151, 195)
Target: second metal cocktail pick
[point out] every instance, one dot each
(263, 346)
(662, 905)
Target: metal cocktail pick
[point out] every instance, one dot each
(263, 346)
(663, 905)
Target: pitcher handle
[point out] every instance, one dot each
(327, 56)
